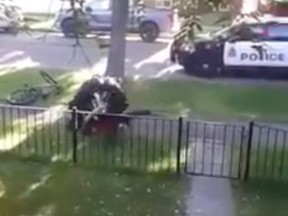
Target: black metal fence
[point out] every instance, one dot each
(214, 149)
(267, 152)
(149, 143)
(231, 150)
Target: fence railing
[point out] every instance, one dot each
(267, 152)
(215, 149)
(232, 150)
(148, 143)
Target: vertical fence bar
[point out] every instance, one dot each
(4, 127)
(231, 166)
(35, 131)
(213, 150)
(274, 152)
(44, 136)
(266, 155)
(139, 143)
(179, 141)
(147, 142)
(249, 147)
(258, 161)
(223, 157)
(195, 147)
(163, 124)
(12, 128)
(19, 128)
(58, 139)
(155, 142)
(283, 150)
(50, 132)
(74, 133)
(240, 161)
(204, 148)
(27, 132)
(187, 147)
(131, 140)
(170, 138)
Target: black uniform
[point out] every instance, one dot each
(86, 100)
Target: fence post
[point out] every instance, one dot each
(179, 142)
(74, 133)
(249, 147)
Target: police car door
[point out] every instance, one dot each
(276, 46)
(241, 50)
(219, 51)
(259, 51)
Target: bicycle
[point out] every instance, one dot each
(30, 94)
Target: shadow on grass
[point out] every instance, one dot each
(262, 198)
(29, 188)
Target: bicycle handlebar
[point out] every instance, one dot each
(48, 78)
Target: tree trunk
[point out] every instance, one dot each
(116, 58)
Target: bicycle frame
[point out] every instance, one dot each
(53, 84)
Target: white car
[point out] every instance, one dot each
(98, 17)
(11, 15)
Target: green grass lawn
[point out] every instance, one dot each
(194, 98)
(12, 80)
(30, 188)
(262, 199)
(266, 191)
(215, 101)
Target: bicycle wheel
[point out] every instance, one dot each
(23, 96)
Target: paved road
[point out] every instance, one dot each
(54, 51)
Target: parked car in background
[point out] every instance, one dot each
(255, 48)
(97, 16)
(11, 16)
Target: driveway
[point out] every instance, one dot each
(53, 51)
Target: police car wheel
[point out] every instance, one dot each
(207, 71)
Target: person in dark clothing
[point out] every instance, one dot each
(115, 102)
(115, 98)
(98, 92)
(85, 98)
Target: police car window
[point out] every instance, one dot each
(257, 30)
(278, 32)
(241, 31)
(224, 33)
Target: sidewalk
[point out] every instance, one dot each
(210, 197)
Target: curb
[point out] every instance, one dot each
(45, 30)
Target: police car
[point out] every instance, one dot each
(250, 47)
